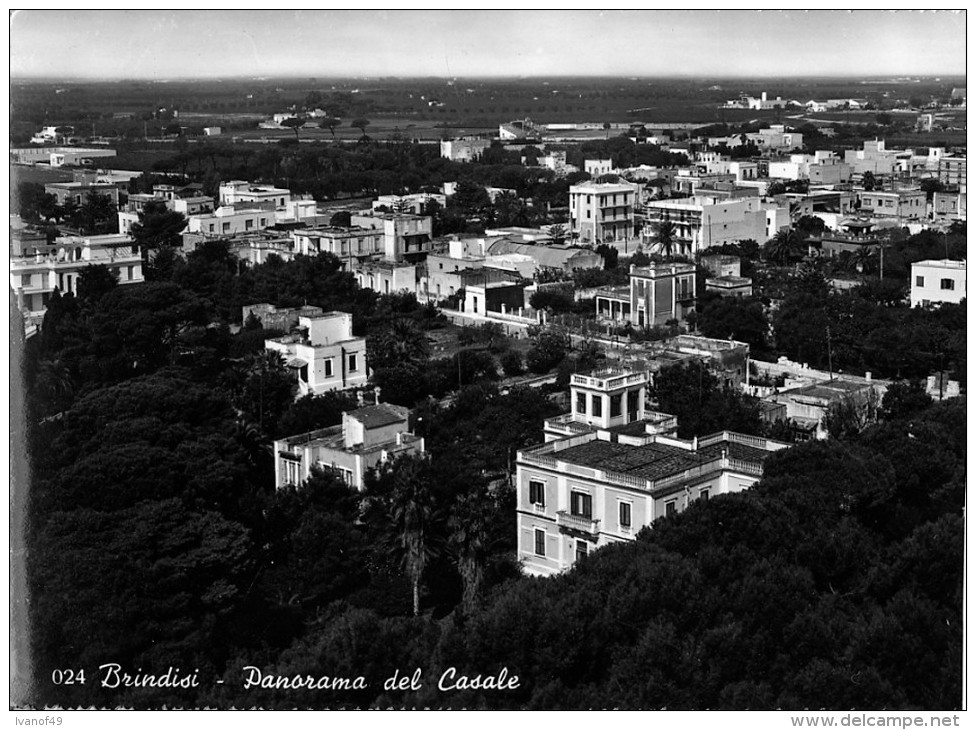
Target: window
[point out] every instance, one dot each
(328, 368)
(291, 471)
(25, 279)
(947, 285)
(633, 403)
(616, 405)
(580, 549)
(540, 543)
(248, 224)
(919, 281)
(703, 495)
(353, 363)
(625, 514)
(264, 222)
(211, 228)
(537, 492)
(597, 407)
(671, 508)
(225, 228)
(581, 504)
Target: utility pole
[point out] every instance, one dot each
(830, 361)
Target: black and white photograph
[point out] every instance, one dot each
(488, 360)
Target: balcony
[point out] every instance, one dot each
(577, 523)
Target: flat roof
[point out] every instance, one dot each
(651, 461)
(941, 264)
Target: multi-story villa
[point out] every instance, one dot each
(324, 353)
(610, 467)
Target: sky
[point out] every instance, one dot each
(173, 44)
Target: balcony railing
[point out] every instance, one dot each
(577, 522)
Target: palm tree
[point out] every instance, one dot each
(783, 245)
(469, 529)
(412, 517)
(665, 236)
(862, 258)
(400, 344)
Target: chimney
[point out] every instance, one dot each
(764, 96)
(867, 376)
(399, 439)
(376, 393)
(359, 399)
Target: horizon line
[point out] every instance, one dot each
(412, 77)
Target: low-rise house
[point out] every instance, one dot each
(273, 318)
(729, 286)
(78, 192)
(948, 207)
(412, 203)
(657, 293)
(386, 277)
(620, 468)
(466, 149)
(323, 353)
(366, 437)
(937, 282)
(501, 297)
(558, 258)
(808, 406)
(905, 205)
(345, 243)
(722, 265)
(596, 168)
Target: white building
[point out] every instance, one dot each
(610, 467)
(467, 149)
(324, 353)
(241, 191)
(366, 437)
(37, 268)
(602, 212)
(938, 282)
(596, 168)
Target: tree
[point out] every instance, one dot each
(158, 227)
(606, 128)
(868, 181)
(293, 123)
(783, 246)
(97, 212)
(412, 514)
(330, 123)
(360, 123)
(469, 526)
(94, 282)
(549, 348)
(557, 232)
(401, 343)
(693, 394)
(736, 318)
(666, 236)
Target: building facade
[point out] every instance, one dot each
(610, 468)
(602, 212)
(938, 282)
(366, 437)
(323, 353)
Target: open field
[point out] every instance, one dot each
(238, 104)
